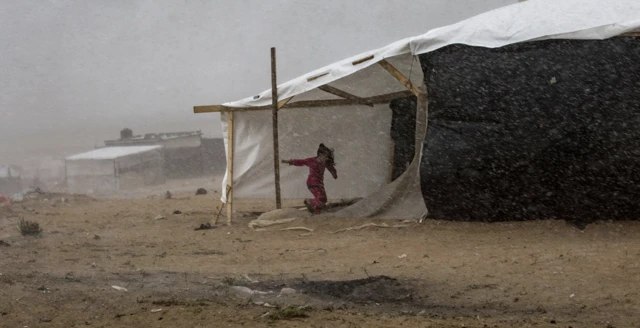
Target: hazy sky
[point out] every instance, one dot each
(73, 73)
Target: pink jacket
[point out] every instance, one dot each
(316, 170)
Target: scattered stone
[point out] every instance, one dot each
(287, 291)
(205, 226)
(96, 237)
(402, 256)
(177, 212)
(4, 243)
(201, 191)
(155, 310)
(159, 217)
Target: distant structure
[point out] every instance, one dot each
(109, 169)
(10, 179)
(183, 151)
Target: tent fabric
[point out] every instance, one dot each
(533, 20)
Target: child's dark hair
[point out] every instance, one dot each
(324, 150)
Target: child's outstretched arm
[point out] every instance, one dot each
(297, 162)
(333, 171)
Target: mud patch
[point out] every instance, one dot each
(379, 289)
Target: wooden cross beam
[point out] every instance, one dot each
(399, 76)
(343, 94)
(381, 99)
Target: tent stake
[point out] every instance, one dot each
(276, 150)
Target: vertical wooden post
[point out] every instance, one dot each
(230, 143)
(276, 150)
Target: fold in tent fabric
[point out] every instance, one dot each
(533, 20)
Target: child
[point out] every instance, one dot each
(315, 181)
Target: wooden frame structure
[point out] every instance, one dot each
(347, 99)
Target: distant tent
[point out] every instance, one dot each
(109, 169)
(525, 93)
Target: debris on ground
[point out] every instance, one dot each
(155, 310)
(167, 195)
(4, 243)
(201, 191)
(288, 312)
(29, 228)
(177, 212)
(122, 289)
(258, 223)
(246, 276)
(96, 237)
(159, 217)
(366, 225)
(280, 216)
(205, 226)
(247, 290)
(4, 200)
(402, 256)
(297, 228)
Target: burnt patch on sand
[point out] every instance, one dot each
(371, 290)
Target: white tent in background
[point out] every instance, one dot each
(345, 105)
(114, 168)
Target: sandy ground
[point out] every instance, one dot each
(433, 274)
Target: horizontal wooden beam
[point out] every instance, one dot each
(209, 109)
(343, 94)
(381, 99)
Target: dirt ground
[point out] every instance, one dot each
(430, 274)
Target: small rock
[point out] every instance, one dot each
(287, 291)
(155, 310)
(201, 191)
(159, 217)
(4, 243)
(402, 256)
(96, 237)
(168, 195)
(177, 212)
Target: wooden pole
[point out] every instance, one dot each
(230, 143)
(276, 150)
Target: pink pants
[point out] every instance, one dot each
(320, 198)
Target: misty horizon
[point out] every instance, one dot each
(76, 73)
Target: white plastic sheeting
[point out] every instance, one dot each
(342, 128)
(531, 20)
(114, 168)
(112, 152)
(360, 136)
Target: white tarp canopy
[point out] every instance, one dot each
(360, 134)
(112, 152)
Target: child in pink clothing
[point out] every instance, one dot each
(315, 181)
